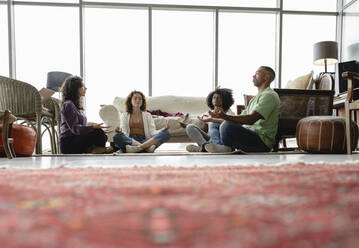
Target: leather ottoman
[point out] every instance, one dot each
(24, 140)
(324, 134)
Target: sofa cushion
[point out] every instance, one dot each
(175, 127)
(302, 82)
(170, 104)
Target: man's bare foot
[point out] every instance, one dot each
(98, 150)
(133, 149)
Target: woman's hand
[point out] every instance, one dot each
(167, 126)
(99, 125)
(205, 118)
(182, 124)
(217, 113)
(118, 129)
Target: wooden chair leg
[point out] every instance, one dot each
(5, 135)
(347, 128)
(11, 141)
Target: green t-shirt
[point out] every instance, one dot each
(267, 104)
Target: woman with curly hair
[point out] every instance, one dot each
(137, 132)
(220, 98)
(75, 135)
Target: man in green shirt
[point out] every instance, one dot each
(255, 128)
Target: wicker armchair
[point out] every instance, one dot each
(54, 105)
(24, 101)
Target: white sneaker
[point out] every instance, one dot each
(214, 148)
(151, 149)
(193, 148)
(133, 149)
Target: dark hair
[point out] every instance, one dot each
(226, 95)
(270, 71)
(70, 90)
(129, 107)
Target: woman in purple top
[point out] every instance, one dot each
(75, 135)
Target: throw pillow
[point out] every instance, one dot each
(302, 82)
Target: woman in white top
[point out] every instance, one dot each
(137, 131)
(220, 98)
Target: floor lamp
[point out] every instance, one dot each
(325, 53)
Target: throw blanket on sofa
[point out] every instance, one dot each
(165, 114)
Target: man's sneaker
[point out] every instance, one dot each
(214, 148)
(133, 149)
(193, 148)
(151, 149)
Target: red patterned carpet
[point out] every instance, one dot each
(285, 206)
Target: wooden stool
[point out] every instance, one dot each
(7, 120)
(324, 134)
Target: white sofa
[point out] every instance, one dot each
(194, 106)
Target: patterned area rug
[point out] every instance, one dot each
(281, 206)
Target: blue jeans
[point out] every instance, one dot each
(200, 137)
(236, 136)
(213, 131)
(121, 139)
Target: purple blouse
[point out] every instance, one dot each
(73, 121)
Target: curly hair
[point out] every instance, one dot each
(129, 107)
(70, 90)
(226, 95)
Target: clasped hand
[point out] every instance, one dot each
(217, 113)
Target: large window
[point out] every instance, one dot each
(347, 1)
(183, 52)
(235, 3)
(4, 45)
(116, 55)
(53, 1)
(351, 33)
(46, 40)
(246, 41)
(300, 33)
(174, 53)
(310, 5)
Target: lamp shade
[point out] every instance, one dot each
(353, 52)
(325, 53)
(55, 79)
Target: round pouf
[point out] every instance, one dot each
(324, 134)
(24, 140)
